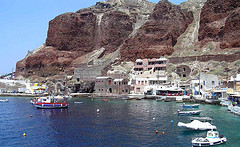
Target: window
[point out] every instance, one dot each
(78, 79)
(184, 75)
(115, 83)
(138, 89)
(213, 82)
(109, 82)
(184, 69)
(126, 90)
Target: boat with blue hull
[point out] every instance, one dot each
(51, 105)
(190, 106)
(196, 112)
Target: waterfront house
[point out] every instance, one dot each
(207, 83)
(148, 72)
(234, 83)
(111, 85)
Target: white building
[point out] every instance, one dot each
(207, 83)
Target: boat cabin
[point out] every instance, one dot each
(212, 134)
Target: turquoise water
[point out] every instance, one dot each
(118, 123)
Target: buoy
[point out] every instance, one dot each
(153, 118)
(24, 134)
(30, 115)
(171, 121)
(98, 110)
(163, 133)
(156, 131)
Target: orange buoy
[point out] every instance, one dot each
(156, 131)
(30, 115)
(163, 133)
(24, 134)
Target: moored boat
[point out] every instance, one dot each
(212, 138)
(197, 125)
(6, 100)
(196, 112)
(105, 100)
(50, 102)
(190, 106)
(204, 119)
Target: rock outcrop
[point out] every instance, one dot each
(159, 34)
(135, 29)
(220, 23)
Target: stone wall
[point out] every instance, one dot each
(206, 58)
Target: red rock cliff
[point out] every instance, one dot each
(220, 22)
(158, 36)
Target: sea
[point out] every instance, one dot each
(94, 122)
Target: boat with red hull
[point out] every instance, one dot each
(50, 102)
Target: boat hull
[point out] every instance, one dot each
(189, 112)
(196, 143)
(51, 105)
(191, 106)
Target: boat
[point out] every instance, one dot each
(179, 99)
(78, 102)
(212, 138)
(6, 100)
(204, 119)
(196, 112)
(50, 102)
(197, 125)
(105, 100)
(190, 106)
(167, 100)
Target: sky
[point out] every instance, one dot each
(24, 25)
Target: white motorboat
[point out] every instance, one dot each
(197, 125)
(212, 138)
(190, 106)
(203, 119)
(4, 100)
(196, 112)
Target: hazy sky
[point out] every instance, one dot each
(24, 24)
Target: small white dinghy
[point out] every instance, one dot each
(4, 100)
(196, 112)
(212, 138)
(197, 125)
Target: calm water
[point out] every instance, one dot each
(119, 123)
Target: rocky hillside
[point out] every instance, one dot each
(136, 29)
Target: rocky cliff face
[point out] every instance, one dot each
(159, 34)
(220, 23)
(71, 36)
(139, 29)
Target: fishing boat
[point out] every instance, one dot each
(197, 125)
(196, 112)
(6, 100)
(212, 138)
(50, 102)
(190, 106)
